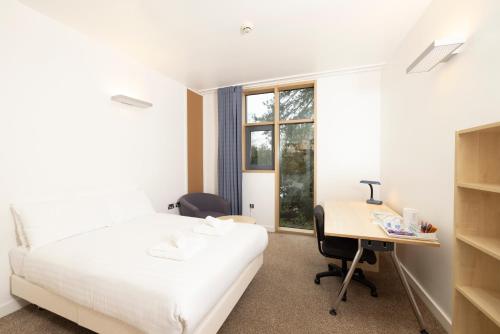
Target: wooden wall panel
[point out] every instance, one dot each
(195, 141)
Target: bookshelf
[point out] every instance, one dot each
(477, 231)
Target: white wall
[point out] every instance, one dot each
(348, 148)
(258, 189)
(420, 114)
(59, 131)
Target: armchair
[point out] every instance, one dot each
(202, 205)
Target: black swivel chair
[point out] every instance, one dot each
(343, 249)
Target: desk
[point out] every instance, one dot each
(355, 220)
(239, 219)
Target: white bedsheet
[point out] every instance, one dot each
(16, 257)
(109, 270)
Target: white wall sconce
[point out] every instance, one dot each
(438, 52)
(131, 101)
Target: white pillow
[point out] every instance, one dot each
(128, 205)
(19, 228)
(46, 222)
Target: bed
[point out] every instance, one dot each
(104, 279)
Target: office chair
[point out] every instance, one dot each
(343, 249)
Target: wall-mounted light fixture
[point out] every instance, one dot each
(438, 52)
(131, 101)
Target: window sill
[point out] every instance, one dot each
(258, 170)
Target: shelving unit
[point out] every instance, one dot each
(477, 231)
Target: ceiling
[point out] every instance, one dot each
(198, 42)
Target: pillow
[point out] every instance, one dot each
(19, 229)
(46, 222)
(128, 205)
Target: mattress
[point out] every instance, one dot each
(16, 257)
(108, 270)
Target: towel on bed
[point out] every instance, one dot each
(214, 226)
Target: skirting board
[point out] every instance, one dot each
(435, 309)
(11, 306)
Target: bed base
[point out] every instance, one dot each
(101, 323)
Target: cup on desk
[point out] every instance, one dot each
(410, 218)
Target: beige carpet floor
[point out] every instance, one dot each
(283, 299)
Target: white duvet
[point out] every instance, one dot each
(110, 271)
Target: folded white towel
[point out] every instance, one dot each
(182, 240)
(214, 226)
(180, 248)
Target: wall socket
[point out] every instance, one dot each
(252, 206)
(171, 206)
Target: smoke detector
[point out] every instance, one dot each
(246, 28)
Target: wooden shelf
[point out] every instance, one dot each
(490, 187)
(494, 127)
(490, 246)
(485, 300)
(477, 230)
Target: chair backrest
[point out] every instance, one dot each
(319, 223)
(203, 201)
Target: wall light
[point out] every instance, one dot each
(131, 101)
(438, 52)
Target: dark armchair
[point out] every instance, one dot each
(202, 205)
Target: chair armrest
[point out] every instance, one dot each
(223, 205)
(188, 209)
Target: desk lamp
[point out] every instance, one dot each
(371, 200)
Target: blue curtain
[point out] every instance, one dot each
(229, 168)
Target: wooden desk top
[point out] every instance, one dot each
(239, 219)
(355, 220)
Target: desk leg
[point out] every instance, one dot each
(413, 302)
(347, 279)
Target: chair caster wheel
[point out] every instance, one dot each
(333, 312)
(374, 294)
(316, 281)
(423, 331)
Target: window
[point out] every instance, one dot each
(260, 147)
(259, 131)
(296, 104)
(260, 108)
(288, 111)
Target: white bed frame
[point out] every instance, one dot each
(101, 323)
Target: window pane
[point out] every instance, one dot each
(296, 104)
(296, 153)
(260, 108)
(261, 149)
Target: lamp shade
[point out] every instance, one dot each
(439, 51)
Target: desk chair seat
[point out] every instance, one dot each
(343, 249)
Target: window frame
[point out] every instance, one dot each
(277, 121)
(248, 144)
(276, 124)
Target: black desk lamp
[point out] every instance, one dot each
(371, 200)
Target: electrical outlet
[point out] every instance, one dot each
(171, 206)
(252, 206)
